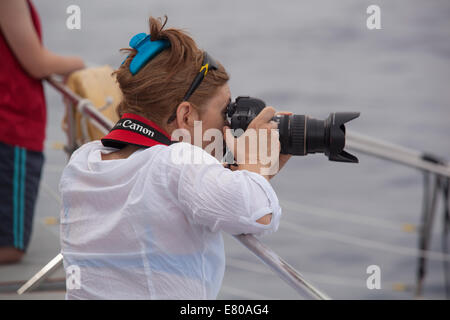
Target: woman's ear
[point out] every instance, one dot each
(186, 115)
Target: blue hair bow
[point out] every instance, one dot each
(146, 50)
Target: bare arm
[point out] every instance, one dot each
(266, 219)
(17, 26)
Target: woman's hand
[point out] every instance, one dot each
(247, 148)
(283, 157)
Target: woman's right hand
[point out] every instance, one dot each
(248, 149)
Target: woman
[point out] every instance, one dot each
(24, 62)
(140, 219)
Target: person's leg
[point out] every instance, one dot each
(20, 172)
(8, 204)
(10, 255)
(34, 164)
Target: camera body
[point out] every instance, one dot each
(299, 134)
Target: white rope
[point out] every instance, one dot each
(345, 216)
(316, 277)
(364, 243)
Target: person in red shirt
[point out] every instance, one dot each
(24, 61)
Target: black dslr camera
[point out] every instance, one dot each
(299, 134)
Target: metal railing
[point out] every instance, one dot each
(395, 153)
(431, 166)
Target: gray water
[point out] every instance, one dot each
(309, 57)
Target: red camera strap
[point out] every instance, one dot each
(136, 130)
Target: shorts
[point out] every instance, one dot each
(20, 174)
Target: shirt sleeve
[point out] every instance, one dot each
(219, 198)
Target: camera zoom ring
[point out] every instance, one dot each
(298, 128)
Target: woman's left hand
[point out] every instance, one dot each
(283, 159)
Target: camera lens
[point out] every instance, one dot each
(301, 135)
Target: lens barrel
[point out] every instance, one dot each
(299, 134)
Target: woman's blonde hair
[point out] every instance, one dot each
(159, 87)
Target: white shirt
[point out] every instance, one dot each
(149, 226)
